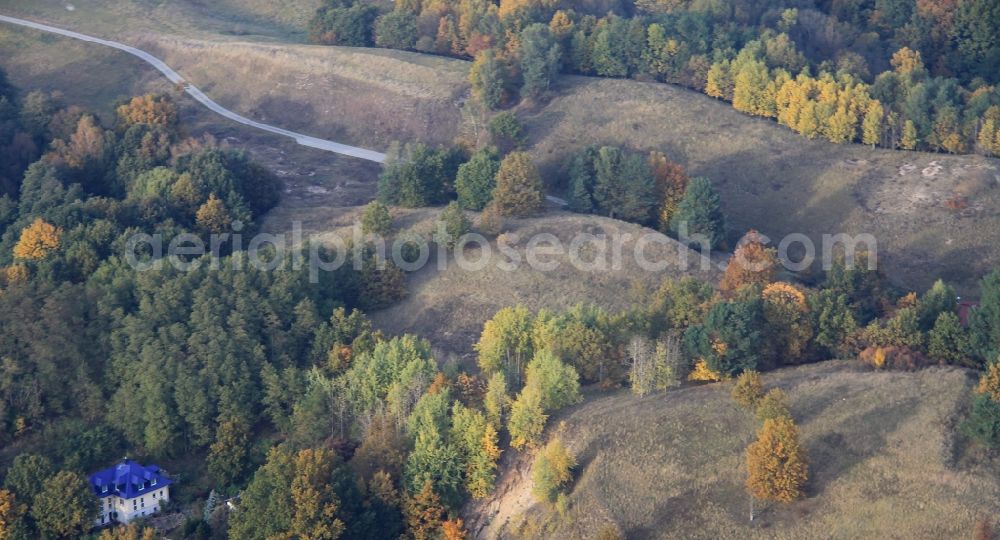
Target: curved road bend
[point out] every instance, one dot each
(198, 95)
(194, 92)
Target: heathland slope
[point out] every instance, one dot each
(885, 462)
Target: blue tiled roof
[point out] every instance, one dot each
(128, 479)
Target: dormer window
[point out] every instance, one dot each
(104, 488)
(154, 480)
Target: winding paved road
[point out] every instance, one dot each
(194, 92)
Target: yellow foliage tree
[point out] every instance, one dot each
(518, 189)
(701, 372)
(989, 384)
(212, 217)
(491, 449)
(748, 389)
(910, 139)
(561, 24)
(947, 134)
(791, 99)
(776, 463)
(551, 471)
(37, 240)
(879, 358)
(808, 121)
(988, 137)
(840, 126)
(787, 312)
(313, 496)
(719, 82)
(185, 191)
(512, 7)
(906, 61)
(480, 485)
(753, 90)
(871, 128)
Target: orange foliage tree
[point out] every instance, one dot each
(37, 240)
(148, 109)
(15, 273)
(453, 529)
(87, 143)
(752, 263)
(776, 462)
(671, 181)
(424, 513)
(11, 514)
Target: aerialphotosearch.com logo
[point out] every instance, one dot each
(544, 251)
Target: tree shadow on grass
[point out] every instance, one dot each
(833, 455)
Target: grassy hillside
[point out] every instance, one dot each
(283, 20)
(770, 178)
(450, 306)
(885, 462)
(778, 182)
(367, 97)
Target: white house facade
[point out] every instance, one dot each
(129, 491)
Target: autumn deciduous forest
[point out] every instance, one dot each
(890, 73)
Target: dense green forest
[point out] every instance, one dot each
(276, 387)
(892, 73)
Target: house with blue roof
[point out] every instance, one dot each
(129, 490)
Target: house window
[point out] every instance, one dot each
(104, 488)
(154, 480)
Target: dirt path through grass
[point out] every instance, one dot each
(198, 95)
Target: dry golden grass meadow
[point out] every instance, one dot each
(885, 462)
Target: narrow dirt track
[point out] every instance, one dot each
(198, 95)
